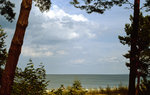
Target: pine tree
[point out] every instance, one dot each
(142, 44)
(17, 42)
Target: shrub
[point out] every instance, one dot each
(3, 51)
(145, 88)
(75, 89)
(31, 81)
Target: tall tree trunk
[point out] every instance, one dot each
(134, 53)
(138, 83)
(15, 48)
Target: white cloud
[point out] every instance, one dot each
(36, 52)
(78, 61)
(91, 35)
(78, 47)
(58, 31)
(110, 60)
(57, 13)
(78, 17)
(73, 35)
(61, 52)
(57, 25)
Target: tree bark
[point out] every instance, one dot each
(15, 48)
(134, 52)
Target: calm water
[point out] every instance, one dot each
(87, 81)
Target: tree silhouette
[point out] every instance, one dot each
(143, 44)
(134, 58)
(17, 42)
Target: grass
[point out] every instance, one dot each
(108, 91)
(77, 89)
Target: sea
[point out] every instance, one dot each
(88, 81)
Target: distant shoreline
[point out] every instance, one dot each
(87, 80)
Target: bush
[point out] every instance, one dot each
(75, 89)
(31, 81)
(77, 85)
(145, 88)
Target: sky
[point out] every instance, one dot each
(67, 40)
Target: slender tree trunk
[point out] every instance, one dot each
(15, 48)
(138, 83)
(134, 53)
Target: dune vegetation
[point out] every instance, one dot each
(76, 89)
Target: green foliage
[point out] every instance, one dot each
(44, 5)
(143, 49)
(147, 5)
(60, 90)
(75, 89)
(120, 90)
(143, 43)
(77, 85)
(6, 9)
(3, 51)
(145, 88)
(108, 90)
(31, 81)
(98, 6)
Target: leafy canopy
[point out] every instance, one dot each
(147, 5)
(6, 10)
(44, 5)
(98, 6)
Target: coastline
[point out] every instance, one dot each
(88, 81)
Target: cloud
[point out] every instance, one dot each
(91, 35)
(112, 60)
(56, 26)
(36, 52)
(73, 35)
(78, 47)
(57, 13)
(78, 61)
(61, 52)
